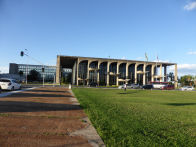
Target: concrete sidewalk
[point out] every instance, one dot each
(49, 116)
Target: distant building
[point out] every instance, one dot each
(49, 71)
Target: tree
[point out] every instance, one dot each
(62, 80)
(20, 73)
(171, 76)
(187, 80)
(34, 75)
(195, 80)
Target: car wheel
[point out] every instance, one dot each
(12, 88)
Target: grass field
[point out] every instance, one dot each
(141, 117)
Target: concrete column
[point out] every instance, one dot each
(127, 68)
(58, 70)
(176, 76)
(152, 73)
(144, 74)
(108, 76)
(135, 73)
(87, 77)
(161, 78)
(165, 73)
(77, 71)
(117, 72)
(98, 64)
(74, 74)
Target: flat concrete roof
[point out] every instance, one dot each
(112, 59)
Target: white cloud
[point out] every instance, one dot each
(123, 57)
(4, 69)
(192, 53)
(190, 6)
(187, 66)
(140, 58)
(185, 69)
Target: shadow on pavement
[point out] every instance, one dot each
(20, 106)
(38, 90)
(44, 95)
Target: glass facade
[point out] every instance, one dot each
(49, 71)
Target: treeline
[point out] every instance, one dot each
(187, 80)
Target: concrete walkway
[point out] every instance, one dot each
(49, 116)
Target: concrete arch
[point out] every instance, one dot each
(93, 72)
(112, 73)
(140, 74)
(103, 73)
(83, 72)
(93, 64)
(92, 61)
(81, 60)
(148, 73)
(122, 70)
(131, 73)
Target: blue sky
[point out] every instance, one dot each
(99, 28)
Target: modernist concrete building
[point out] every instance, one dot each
(107, 71)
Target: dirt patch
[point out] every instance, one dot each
(41, 117)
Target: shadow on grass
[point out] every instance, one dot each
(128, 92)
(180, 104)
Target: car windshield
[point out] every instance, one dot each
(4, 80)
(15, 81)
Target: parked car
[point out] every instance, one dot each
(133, 86)
(121, 87)
(93, 84)
(147, 87)
(167, 87)
(187, 88)
(9, 84)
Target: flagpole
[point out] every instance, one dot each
(156, 66)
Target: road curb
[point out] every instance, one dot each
(88, 132)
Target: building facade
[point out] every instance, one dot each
(49, 71)
(106, 71)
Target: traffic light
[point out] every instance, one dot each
(42, 69)
(21, 53)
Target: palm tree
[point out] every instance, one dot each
(171, 76)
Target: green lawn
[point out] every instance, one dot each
(141, 117)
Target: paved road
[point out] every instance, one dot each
(41, 117)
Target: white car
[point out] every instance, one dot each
(133, 86)
(187, 88)
(121, 87)
(130, 86)
(9, 84)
